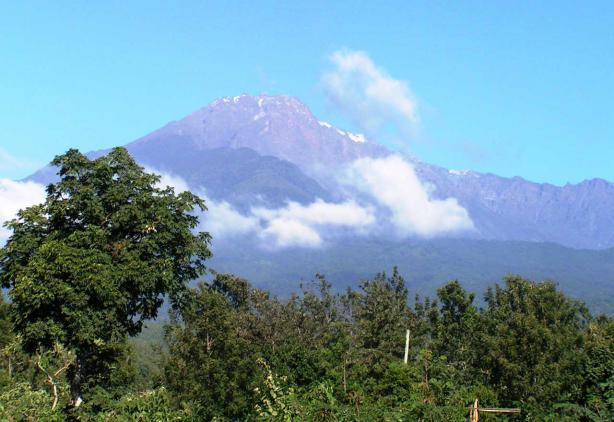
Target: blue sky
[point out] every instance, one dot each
(512, 88)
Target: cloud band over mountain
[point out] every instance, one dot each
(397, 197)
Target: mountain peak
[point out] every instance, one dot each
(277, 125)
(262, 101)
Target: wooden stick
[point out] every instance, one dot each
(499, 410)
(475, 410)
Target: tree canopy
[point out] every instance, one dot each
(97, 258)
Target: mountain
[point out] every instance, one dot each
(240, 176)
(263, 151)
(577, 216)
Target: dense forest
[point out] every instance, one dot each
(88, 271)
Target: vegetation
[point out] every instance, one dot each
(91, 263)
(88, 267)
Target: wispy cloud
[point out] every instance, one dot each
(393, 184)
(168, 179)
(221, 219)
(15, 196)
(371, 97)
(376, 101)
(303, 225)
(281, 233)
(9, 162)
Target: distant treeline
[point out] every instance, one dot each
(235, 353)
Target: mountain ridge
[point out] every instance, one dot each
(574, 215)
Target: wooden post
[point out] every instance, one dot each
(406, 347)
(474, 415)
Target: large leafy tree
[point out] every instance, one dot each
(211, 362)
(533, 343)
(96, 259)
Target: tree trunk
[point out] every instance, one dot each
(75, 384)
(344, 379)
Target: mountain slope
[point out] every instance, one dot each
(427, 264)
(239, 176)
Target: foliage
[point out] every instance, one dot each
(153, 405)
(533, 343)
(6, 328)
(277, 402)
(22, 402)
(237, 353)
(91, 263)
(339, 356)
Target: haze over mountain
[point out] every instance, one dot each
(275, 173)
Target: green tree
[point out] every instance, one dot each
(7, 337)
(382, 313)
(533, 344)
(456, 329)
(598, 386)
(96, 259)
(211, 364)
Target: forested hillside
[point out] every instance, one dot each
(587, 275)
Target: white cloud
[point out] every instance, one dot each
(167, 179)
(301, 225)
(390, 182)
(369, 95)
(375, 101)
(222, 219)
(348, 213)
(393, 183)
(283, 233)
(15, 196)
